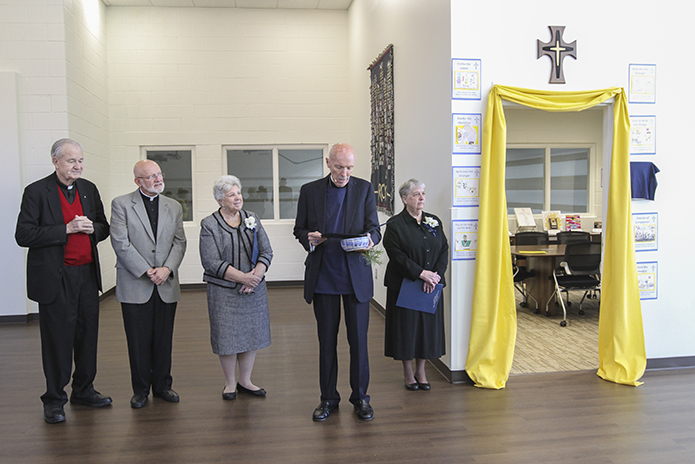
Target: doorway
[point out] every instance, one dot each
(542, 173)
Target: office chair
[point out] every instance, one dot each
(579, 270)
(573, 236)
(521, 273)
(531, 238)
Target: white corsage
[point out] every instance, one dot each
(431, 223)
(250, 222)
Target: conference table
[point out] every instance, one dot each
(542, 259)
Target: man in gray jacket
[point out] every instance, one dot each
(148, 238)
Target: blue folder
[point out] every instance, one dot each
(412, 296)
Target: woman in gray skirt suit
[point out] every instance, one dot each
(235, 253)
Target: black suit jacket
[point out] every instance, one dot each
(41, 228)
(360, 217)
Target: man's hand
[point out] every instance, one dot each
(158, 275)
(316, 239)
(81, 224)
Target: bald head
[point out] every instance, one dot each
(148, 176)
(341, 161)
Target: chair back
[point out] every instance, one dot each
(531, 238)
(573, 236)
(583, 258)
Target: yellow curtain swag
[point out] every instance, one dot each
(622, 355)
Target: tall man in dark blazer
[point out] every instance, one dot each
(148, 238)
(61, 220)
(339, 204)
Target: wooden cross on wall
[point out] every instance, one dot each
(557, 49)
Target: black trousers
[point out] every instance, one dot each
(149, 329)
(327, 312)
(69, 329)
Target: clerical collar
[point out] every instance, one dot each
(144, 195)
(332, 182)
(68, 190)
(67, 187)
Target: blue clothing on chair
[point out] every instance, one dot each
(643, 175)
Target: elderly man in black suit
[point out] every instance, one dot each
(343, 205)
(61, 220)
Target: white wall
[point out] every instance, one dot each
(610, 36)
(208, 77)
(13, 281)
(32, 48)
(419, 32)
(87, 103)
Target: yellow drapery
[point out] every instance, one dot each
(622, 356)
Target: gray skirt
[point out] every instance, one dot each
(238, 322)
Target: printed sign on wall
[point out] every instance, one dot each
(464, 237)
(465, 79)
(466, 180)
(467, 132)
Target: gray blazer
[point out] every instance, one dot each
(222, 246)
(136, 250)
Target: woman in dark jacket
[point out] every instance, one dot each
(417, 249)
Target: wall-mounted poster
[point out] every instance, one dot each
(646, 227)
(465, 79)
(642, 83)
(647, 278)
(642, 135)
(467, 132)
(466, 179)
(464, 237)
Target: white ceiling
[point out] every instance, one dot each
(277, 4)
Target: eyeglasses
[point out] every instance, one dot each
(153, 176)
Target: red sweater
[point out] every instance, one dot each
(78, 250)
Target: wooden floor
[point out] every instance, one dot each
(549, 418)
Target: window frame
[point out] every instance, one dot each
(276, 169)
(143, 156)
(547, 166)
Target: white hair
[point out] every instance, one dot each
(408, 186)
(224, 184)
(57, 148)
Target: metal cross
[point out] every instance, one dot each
(557, 50)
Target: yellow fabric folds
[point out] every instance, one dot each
(622, 356)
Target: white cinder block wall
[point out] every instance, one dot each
(87, 103)
(208, 77)
(56, 49)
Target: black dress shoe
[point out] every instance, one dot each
(167, 395)
(228, 396)
(241, 389)
(324, 410)
(53, 413)
(95, 400)
(412, 386)
(423, 386)
(364, 411)
(138, 401)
